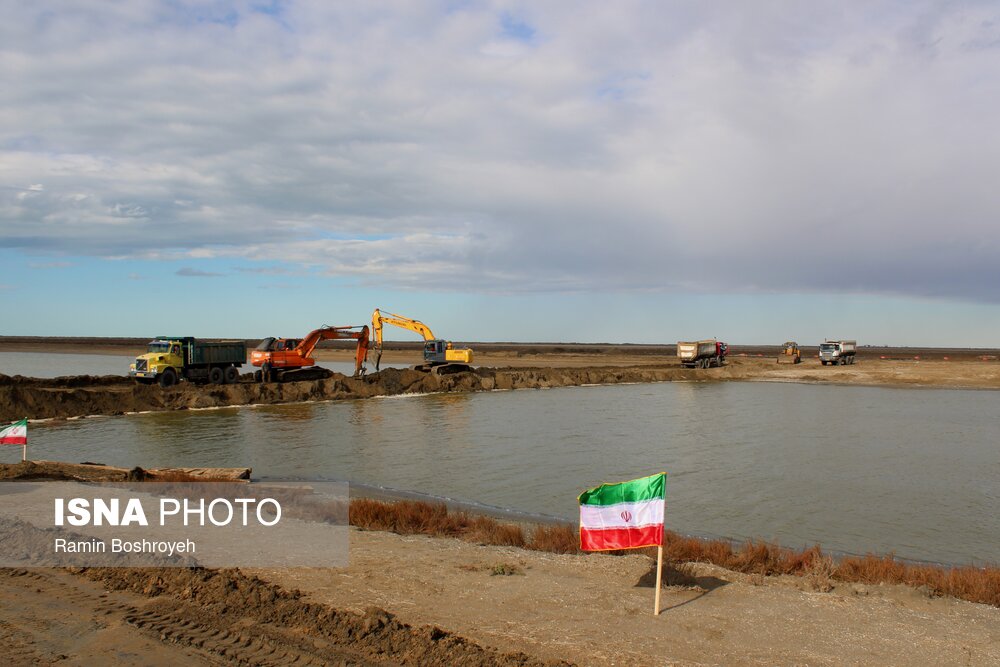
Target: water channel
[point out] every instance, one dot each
(857, 469)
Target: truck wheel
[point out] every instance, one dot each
(215, 375)
(231, 375)
(168, 378)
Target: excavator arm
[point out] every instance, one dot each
(378, 320)
(308, 344)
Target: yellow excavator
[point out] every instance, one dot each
(440, 356)
(790, 353)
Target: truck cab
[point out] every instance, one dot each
(160, 355)
(837, 352)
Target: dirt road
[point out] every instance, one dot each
(597, 609)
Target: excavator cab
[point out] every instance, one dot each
(434, 351)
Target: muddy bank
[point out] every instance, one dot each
(96, 472)
(75, 397)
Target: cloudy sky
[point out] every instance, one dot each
(573, 171)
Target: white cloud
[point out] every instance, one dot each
(188, 272)
(49, 265)
(512, 147)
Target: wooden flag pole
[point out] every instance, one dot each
(659, 574)
(24, 451)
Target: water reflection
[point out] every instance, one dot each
(856, 469)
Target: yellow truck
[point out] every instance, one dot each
(169, 359)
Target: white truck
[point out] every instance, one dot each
(837, 352)
(702, 353)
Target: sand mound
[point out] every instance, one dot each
(37, 398)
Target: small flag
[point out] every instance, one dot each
(628, 515)
(15, 434)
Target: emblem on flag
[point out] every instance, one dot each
(15, 434)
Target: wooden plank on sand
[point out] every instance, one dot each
(96, 472)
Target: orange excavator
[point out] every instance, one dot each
(289, 359)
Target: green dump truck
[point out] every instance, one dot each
(169, 359)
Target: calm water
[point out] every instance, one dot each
(857, 469)
(34, 364)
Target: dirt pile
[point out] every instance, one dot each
(74, 397)
(207, 617)
(222, 599)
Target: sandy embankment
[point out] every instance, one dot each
(110, 395)
(597, 609)
(447, 605)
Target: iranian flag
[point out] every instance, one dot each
(15, 434)
(623, 516)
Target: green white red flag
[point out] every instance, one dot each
(15, 434)
(628, 515)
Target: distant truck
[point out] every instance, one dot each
(702, 353)
(837, 352)
(169, 359)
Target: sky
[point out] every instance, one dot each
(504, 171)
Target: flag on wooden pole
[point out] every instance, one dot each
(628, 515)
(16, 434)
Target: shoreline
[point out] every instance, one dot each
(79, 396)
(435, 586)
(528, 521)
(476, 598)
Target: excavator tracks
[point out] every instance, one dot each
(52, 615)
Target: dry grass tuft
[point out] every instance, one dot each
(485, 530)
(753, 557)
(555, 538)
(505, 570)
